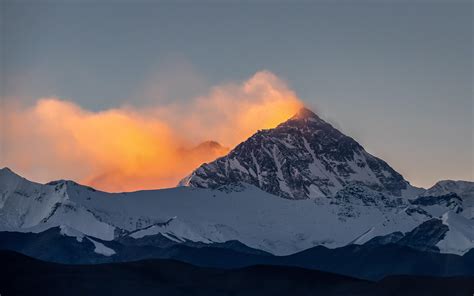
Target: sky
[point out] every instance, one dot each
(396, 76)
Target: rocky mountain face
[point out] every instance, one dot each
(304, 157)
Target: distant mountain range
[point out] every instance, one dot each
(21, 275)
(373, 260)
(302, 191)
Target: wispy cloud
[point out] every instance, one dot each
(131, 148)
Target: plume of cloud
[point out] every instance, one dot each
(127, 148)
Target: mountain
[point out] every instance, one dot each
(212, 147)
(29, 205)
(304, 157)
(58, 244)
(464, 189)
(65, 245)
(166, 277)
(249, 215)
(450, 229)
(335, 194)
(22, 275)
(370, 261)
(450, 233)
(208, 150)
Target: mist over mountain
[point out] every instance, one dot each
(300, 194)
(304, 157)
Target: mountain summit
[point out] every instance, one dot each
(305, 114)
(304, 157)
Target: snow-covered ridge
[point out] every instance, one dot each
(25, 204)
(249, 215)
(304, 157)
(460, 235)
(465, 189)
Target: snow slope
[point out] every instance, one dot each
(251, 216)
(460, 237)
(464, 189)
(26, 204)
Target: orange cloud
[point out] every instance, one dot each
(127, 149)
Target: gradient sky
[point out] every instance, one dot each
(395, 75)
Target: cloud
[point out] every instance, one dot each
(131, 148)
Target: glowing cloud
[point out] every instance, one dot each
(129, 149)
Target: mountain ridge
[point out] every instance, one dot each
(303, 157)
(250, 216)
(325, 177)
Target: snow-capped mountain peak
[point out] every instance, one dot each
(5, 170)
(464, 189)
(335, 180)
(8, 173)
(304, 157)
(305, 114)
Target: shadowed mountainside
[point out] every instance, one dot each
(21, 275)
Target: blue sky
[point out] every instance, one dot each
(395, 75)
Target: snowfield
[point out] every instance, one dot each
(249, 215)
